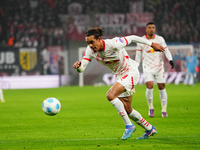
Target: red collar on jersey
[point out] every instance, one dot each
(103, 45)
(152, 38)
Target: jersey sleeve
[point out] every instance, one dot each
(137, 39)
(138, 55)
(88, 54)
(163, 43)
(167, 52)
(119, 42)
(139, 47)
(83, 66)
(86, 59)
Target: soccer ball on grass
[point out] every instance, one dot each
(51, 106)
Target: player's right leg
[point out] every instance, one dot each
(127, 101)
(149, 97)
(112, 95)
(128, 81)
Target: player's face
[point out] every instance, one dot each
(151, 29)
(94, 44)
(190, 53)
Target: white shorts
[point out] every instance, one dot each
(158, 77)
(128, 79)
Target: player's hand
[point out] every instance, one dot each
(171, 63)
(77, 64)
(157, 47)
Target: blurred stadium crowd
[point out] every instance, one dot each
(36, 23)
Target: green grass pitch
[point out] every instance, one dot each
(88, 121)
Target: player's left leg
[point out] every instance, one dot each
(137, 117)
(149, 81)
(190, 80)
(149, 97)
(126, 98)
(160, 79)
(163, 98)
(194, 77)
(133, 114)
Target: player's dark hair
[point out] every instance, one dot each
(97, 32)
(149, 23)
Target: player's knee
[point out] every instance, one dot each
(161, 87)
(110, 96)
(149, 86)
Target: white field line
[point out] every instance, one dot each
(95, 139)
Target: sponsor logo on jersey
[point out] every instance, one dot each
(151, 51)
(121, 40)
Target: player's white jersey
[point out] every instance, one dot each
(152, 61)
(114, 56)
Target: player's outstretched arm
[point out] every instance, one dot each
(77, 64)
(80, 65)
(137, 39)
(169, 57)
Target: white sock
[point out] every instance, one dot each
(136, 116)
(191, 79)
(163, 99)
(119, 106)
(1, 95)
(149, 97)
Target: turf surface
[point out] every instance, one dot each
(88, 121)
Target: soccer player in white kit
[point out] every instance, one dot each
(153, 69)
(111, 53)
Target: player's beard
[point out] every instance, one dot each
(151, 34)
(95, 49)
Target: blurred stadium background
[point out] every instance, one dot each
(39, 39)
